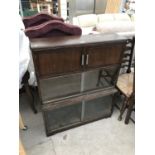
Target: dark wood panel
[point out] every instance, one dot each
(39, 44)
(50, 132)
(78, 98)
(59, 61)
(104, 55)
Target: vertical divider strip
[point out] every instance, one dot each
(82, 89)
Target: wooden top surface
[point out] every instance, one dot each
(39, 44)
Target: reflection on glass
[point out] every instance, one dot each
(71, 115)
(60, 86)
(64, 116)
(100, 107)
(67, 85)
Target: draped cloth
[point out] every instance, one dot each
(25, 56)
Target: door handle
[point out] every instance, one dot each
(82, 60)
(87, 59)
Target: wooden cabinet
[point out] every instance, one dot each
(68, 75)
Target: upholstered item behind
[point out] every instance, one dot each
(115, 26)
(87, 20)
(106, 23)
(133, 17)
(52, 28)
(121, 17)
(104, 18)
(39, 19)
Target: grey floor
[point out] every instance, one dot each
(104, 137)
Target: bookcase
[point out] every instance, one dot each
(68, 70)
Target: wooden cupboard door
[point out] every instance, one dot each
(100, 56)
(59, 61)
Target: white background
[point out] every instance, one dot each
(145, 77)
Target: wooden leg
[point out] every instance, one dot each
(21, 123)
(123, 108)
(28, 91)
(21, 149)
(130, 108)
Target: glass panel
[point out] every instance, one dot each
(63, 116)
(67, 85)
(100, 107)
(101, 78)
(60, 86)
(71, 115)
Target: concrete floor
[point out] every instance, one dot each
(104, 137)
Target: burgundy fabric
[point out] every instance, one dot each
(52, 28)
(39, 19)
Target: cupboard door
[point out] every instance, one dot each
(59, 61)
(61, 118)
(59, 87)
(100, 56)
(98, 108)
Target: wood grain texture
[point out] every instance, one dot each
(104, 55)
(40, 44)
(59, 61)
(21, 149)
(64, 54)
(78, 98)
(113, 6)
(21, 123)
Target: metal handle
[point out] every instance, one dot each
(87, 59)
(82, 60)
